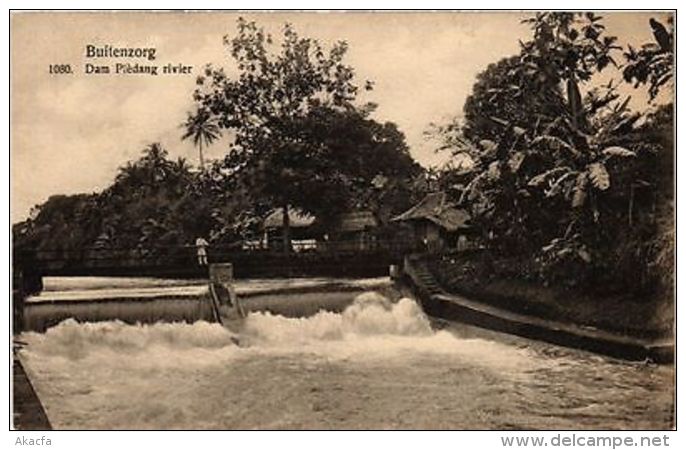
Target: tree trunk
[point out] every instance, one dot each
(286, 230)
(574, 103)
(202, 160)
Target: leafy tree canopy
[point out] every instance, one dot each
(299, 138)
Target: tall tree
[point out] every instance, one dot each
(203, 129)
(513, 91)
(267, 105)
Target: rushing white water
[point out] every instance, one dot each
(370, 326)
(377, 364)
(370, 314)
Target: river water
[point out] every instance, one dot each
(376, 365)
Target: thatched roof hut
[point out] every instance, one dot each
(297, 218)
(437, 209)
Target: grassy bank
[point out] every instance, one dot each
(627, 313)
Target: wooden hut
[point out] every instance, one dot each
(355, 231)
(302, 233)
(438, 224)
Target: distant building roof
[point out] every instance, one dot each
(357, 221)
(297, 218)
(436, 208)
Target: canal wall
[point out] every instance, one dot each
(439, 303)
(28, 412)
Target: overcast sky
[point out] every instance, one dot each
(71, 133)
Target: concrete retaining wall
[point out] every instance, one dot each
(438, 303)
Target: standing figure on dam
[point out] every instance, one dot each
(201, 246)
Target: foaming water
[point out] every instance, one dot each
(371, 327)
(75, 340)
(378, 364)
(370, 314)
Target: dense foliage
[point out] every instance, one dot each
(577, 185)
(153, 202)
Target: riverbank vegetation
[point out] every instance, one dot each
(568, 187)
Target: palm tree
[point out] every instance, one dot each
(181, 175)
(182, 164)
(155, 163)
(203, 128)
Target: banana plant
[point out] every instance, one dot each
(581, 167)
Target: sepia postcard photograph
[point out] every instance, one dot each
(343, 220)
